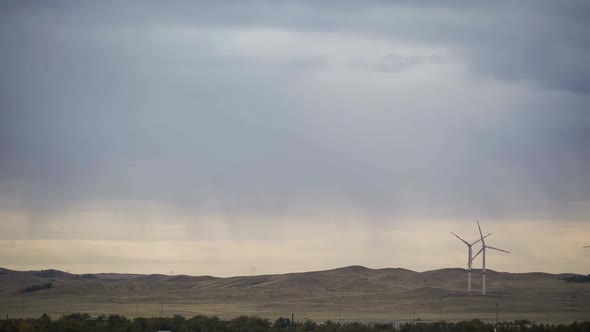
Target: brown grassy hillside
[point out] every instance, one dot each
(350, 292)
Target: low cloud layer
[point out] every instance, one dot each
(257, 114)
(210, 246)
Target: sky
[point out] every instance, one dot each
(211, 137)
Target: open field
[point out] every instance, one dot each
(353, 292)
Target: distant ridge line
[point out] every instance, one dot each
(349, 269)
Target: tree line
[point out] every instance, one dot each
(577, 278)
(34, 288)
(116, 323)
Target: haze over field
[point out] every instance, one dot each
(206, 138)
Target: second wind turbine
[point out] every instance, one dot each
(483, 252)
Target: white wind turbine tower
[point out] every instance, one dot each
(483, 252)
(469, 258)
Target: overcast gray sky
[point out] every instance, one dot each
(208, 137)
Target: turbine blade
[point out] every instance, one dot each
(480, 239)
(494, 248)
(480, 234)
(479, 252)
(586, 246)
(460, 238)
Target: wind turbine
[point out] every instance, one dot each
(469, 258)
(483, 252)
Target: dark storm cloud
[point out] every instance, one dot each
(543, 42)
(395, 62)
(154, 102)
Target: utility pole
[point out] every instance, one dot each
(292, 319)
(340, 311)
(497, 312)
(162, 308)
(137, 310)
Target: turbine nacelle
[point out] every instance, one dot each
(467, 243)
(489, 247)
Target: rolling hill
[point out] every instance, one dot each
(353, 292)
